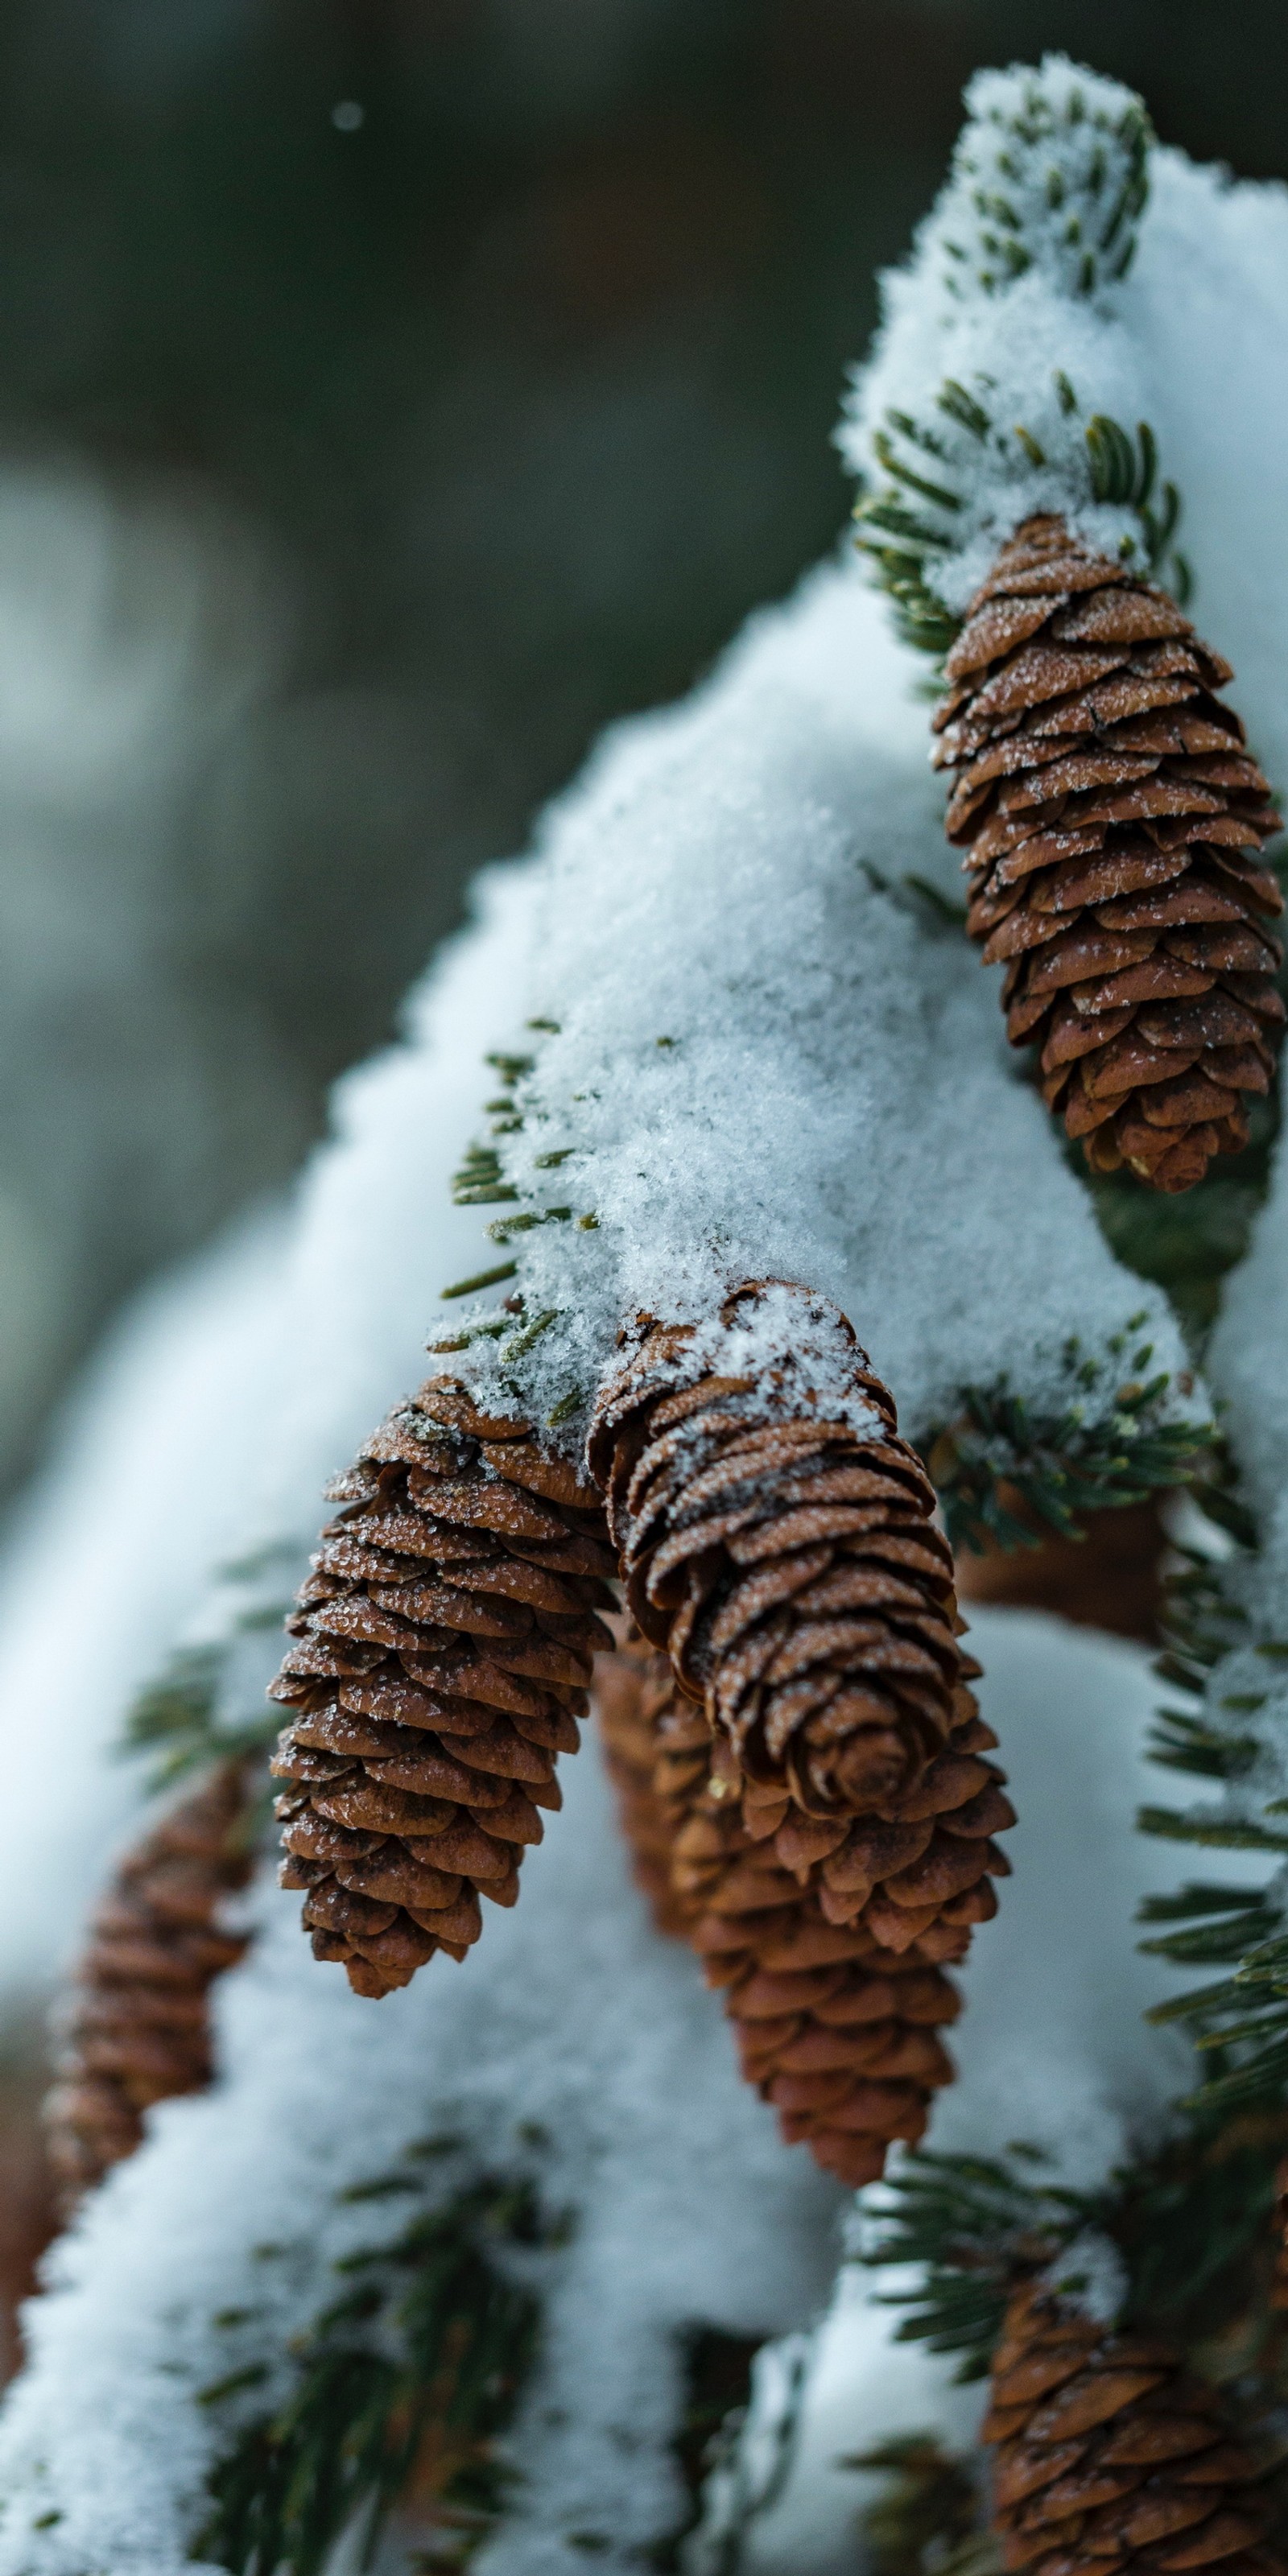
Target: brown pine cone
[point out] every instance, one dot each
(1110, 2455)
(445, 1644)
(1113, 823)
(138, 2031)
(835, 2027)
(633, 1689)
(1108, 1573)
(779, 1543)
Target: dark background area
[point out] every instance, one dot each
(391, 393)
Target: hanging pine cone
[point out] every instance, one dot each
(779, 1543)
(1113, 823)
(1110, 2455)
(138, 2031)
(633, 1691)
(445, 1644)
(835, 2026)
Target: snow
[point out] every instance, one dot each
(1183, 342)
(206, 1428)
(110, 1558)
(768, 1058)
(572, 2016)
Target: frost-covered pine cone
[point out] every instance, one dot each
(1113, 823)
(836, 2027)
(777, 1540)
(1111, 2456)
(445, 1644)
(138, 2028)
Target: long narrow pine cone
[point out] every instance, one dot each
(444, 1648)
(634, 1690)
(138, 2028)
(1111, 2456)
(778, 1541)
(1113, 823)
(836, 2026)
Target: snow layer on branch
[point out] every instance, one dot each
(759, 1054)
(571, 2018)
(572, 2014)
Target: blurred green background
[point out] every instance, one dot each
(391, 391)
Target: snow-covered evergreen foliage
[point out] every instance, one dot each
(733, 1031)
(1009, 376)
(752, 1047)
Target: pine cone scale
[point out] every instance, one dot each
(1131, 801)
(138, 2030)
(415, 1780)
(1126, 2462)
(835, 2030)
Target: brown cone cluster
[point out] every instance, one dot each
(778, 1542)
(444, 1644)
(1113, 823)
(836, 2007)
(1111, 2456)
(138, 2031)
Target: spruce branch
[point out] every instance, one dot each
(1113, 1439)
(483, 1179)
(1051, 170)
(1239, 2023)
(175, 1719)
(929, 2517)
(975, 2226)
(906, 521)
(401, 2389)
(1183, 2226)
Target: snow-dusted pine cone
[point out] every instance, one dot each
(835, 2025)
(776, 1537)
(138, 2028)
(444, 1646)
(1110, 2456)
(1113, 824)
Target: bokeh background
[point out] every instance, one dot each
(391, 391)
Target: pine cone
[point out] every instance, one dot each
(445, 1644)
(1110, 2455)
(779, 1544)
(633, 1689)
(1113, 823)
(834, 2027)
(138, 2031)
(1106, 1574)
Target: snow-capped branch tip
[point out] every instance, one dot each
(996, 389)
(1050, 171)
